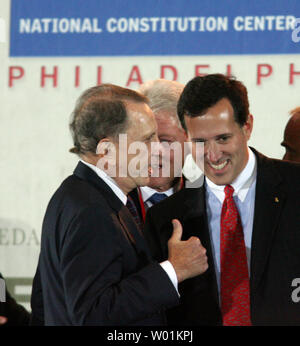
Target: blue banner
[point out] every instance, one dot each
(153, 27)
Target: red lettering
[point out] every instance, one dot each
(99, 75)
(228, 71)
(135, 76)
(292, 73)
(263, 71)
(15, 72)
(197, 70)
(173, 70)
(44, 75)
(77, 76)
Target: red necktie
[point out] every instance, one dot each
(235, 298)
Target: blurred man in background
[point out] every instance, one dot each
(163, 96)
(291, 141)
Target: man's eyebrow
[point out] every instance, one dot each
(198, 139)
(228, 134)
(223, 135)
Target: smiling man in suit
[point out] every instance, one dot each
(94, 266)
(246, 215)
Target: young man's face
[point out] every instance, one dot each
(225, 142)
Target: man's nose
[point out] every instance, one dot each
(213, 152)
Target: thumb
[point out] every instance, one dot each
(177, 230)
(3, 320)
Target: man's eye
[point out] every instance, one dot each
(223, 139)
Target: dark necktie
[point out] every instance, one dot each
(235, 296)
(157, 197)
(132, 208)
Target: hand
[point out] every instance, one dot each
(3, 320)
(187, 257)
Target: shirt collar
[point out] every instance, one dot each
(109, 181)
(147, 192)
(241, 184)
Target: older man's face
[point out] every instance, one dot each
(171, 137)
(141, 132)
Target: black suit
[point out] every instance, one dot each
(95, 267)
(275, 249)
(134, 194)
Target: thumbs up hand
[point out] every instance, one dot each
(187, 257)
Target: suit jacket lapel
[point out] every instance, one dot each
(269, 201)
(130, 230)
(196, 216)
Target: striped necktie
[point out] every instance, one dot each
(133, 210)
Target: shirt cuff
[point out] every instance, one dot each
(169, 269)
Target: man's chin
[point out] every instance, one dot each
(160, 183)
(143, 181)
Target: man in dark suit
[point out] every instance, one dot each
(246, 215)
(12, 313)
(94, 266)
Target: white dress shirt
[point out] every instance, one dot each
(244, 197)
(166, 265)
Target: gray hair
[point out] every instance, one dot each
(162, 94)
(100, 112)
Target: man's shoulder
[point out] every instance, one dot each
(76, 194)
(287, 170)
(175, 206)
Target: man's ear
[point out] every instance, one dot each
(103, 147)
(106, 156)
(248, 126)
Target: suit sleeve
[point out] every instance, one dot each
(37, 306)
(96, 289)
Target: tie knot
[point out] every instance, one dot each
(157, 197)
(228, 191)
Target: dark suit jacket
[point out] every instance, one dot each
(16, 314)
(94, 266)
(134, 194)
(275, 250)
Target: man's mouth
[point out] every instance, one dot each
(220, 166)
